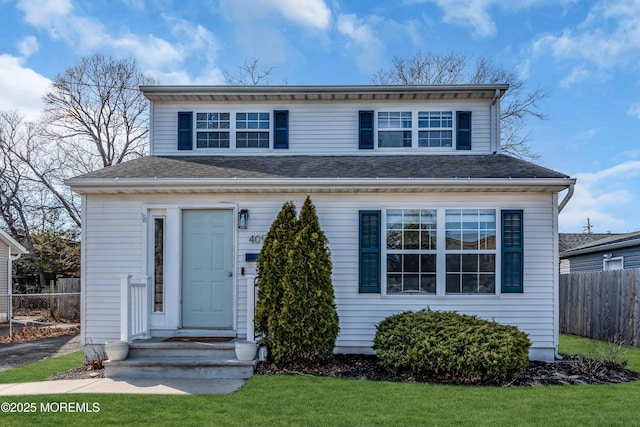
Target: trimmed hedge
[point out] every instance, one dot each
(451, 347)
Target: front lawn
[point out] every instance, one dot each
(303, 400)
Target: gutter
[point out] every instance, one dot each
(566, 199)
(116, 185)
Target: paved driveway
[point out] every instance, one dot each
(22, 353)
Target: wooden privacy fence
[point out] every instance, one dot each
(603, 305)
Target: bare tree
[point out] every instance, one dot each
(250, 73)
(96, 112)
(518, 105)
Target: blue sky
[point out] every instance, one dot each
(586, 52)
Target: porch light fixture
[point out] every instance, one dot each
(243, 218)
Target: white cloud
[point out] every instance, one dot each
(28, 46)
(634, 110)
(578, 74)
(601, 196)
(609, 37)
(21, 88)
(362, 37)
(469, 13)
(46, 14)
(587, 134)
(307, 13)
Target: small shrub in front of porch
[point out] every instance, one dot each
(452, 347)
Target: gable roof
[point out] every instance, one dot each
(567, 241)
(462, 170)
(610, 242)
(12, 243)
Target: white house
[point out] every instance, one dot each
(10, 250)
(419, 206)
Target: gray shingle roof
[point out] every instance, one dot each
(605, 243)
(568, 241)
(285, 166)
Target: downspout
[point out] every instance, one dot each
(561, 206)
(566, 199)
(493, 113)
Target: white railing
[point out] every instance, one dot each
(134, 307)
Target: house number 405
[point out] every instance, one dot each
(257, 238)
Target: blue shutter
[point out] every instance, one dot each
(185, 131)
(369, 244)
(366, 130)
(463, 130)
(281, 129)
(512, 251)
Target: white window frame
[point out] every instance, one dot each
(415, 130)
(400, 128)
(608, 262)
(441, 251)
(152, 259)
(233, 130)
(429, 129)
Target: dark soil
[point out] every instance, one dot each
(570, 370)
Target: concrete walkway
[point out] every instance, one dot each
(132, 386)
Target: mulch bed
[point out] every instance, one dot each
(570, 370)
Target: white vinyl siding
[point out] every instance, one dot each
(321, 128)
(114, 245)
(4, 277)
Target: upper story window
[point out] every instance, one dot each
(252, 130)
(416, 129)
(394, 129)
(440, 125)
(207, 137)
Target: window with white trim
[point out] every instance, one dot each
(252, 130)
(394, 129)
(411, 250)
(158, 263)
(440, 129)
(212, 130)
(470, 251)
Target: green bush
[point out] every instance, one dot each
(451, 347)
(271, 264)
(297, 311)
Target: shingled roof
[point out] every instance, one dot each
(491, 166)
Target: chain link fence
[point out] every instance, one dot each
(59, 303)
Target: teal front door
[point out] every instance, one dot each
(207, 269)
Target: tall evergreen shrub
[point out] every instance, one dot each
(270, 269)
(308, 323)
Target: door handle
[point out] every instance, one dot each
(230, 274)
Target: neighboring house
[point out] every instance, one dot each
(420, 209)
(600, 252)
(10, 250)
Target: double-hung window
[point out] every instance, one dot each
(394, 129)
(470, 251)
(411, 251)
(212, 130)
(252, 130)
(435, 129)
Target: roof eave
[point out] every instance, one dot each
(133, 185)
(600, 248)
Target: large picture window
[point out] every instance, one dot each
(411, 251)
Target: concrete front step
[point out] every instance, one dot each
(178, 367)
(157, 358)
(159, 348)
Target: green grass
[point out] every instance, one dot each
(42, 370)
(303, 400)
